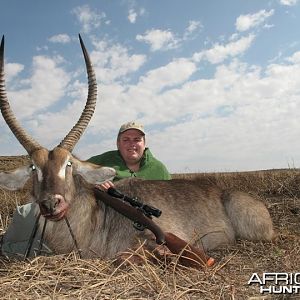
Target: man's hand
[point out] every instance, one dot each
(105, 185)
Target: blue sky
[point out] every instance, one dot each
(216, 83)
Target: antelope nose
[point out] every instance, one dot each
(49, 205)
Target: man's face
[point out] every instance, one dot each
(131, 144)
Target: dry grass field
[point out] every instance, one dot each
(69, 277)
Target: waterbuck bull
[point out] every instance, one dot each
(194, 210)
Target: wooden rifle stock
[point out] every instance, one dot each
(190, 256)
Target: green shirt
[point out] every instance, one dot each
(150, 167)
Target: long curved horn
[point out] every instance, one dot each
(74, 135)
(25, 140)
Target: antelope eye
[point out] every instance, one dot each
(69, 163)
(33, 167)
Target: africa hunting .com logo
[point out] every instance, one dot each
(276, 283)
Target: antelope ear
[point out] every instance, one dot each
(94, 174)
(15, 179)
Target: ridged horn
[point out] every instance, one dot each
(25, 139)
(75, 133)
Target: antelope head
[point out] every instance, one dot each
(52, 171)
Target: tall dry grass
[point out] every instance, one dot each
(68, 277)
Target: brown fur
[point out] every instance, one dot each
(202, 214)
(196, 211)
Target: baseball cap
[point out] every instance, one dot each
(132, 125)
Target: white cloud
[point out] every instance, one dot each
(233, 121)
(60, 122)
(159, 39)
(60, 38)
(255, 118)
(46, 73)
(242, 118)
(12, 70)
(288, 2)
(258, 119)
(246, 22)
(295, 58)
(126, 102)
(174, 73)
(268, 26)
(166, 40)
(132, 15)
(218, 53)
(194, 25)
(88, 18)
(113, 61)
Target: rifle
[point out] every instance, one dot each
(146, 209)
(135, 210)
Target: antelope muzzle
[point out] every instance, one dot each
(53, 207)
